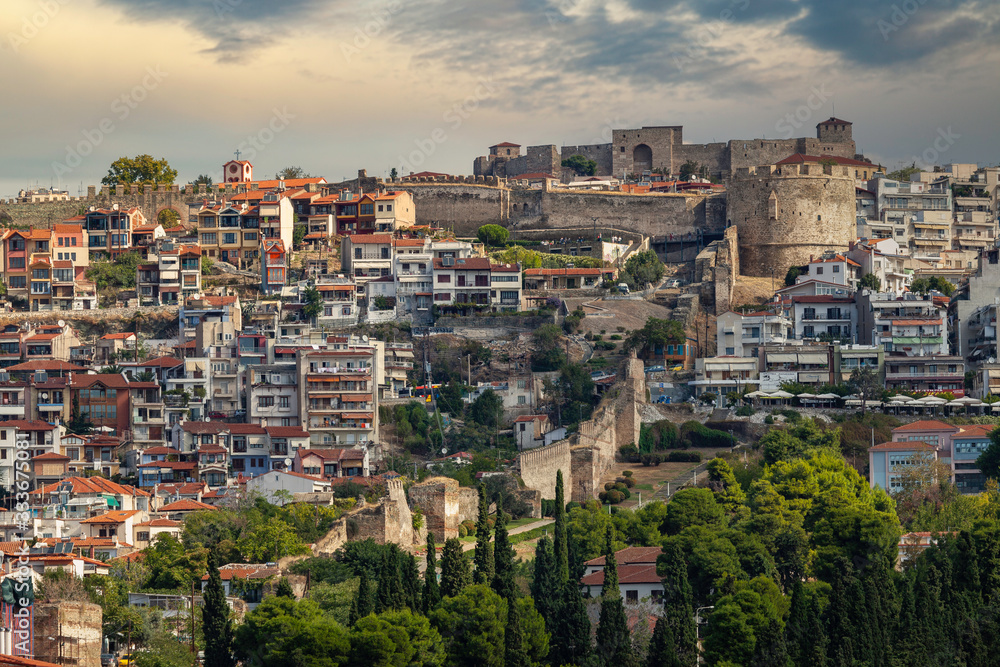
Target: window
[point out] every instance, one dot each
(265, 401)
(819, 270)
(522, 384)
(808, 331)
(521, 400)
(367, 209)
(282, 401)
(632, 596)
(836, 268)
(730, 351)
(16, 262)
(444, 278)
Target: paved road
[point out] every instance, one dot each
(679, 482)
(514, 531)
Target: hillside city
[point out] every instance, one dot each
(637, 403)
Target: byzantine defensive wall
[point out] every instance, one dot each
(766, 203)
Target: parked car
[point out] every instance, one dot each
(674, 283)
(217, 415)
(107, 660)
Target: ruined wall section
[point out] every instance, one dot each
(786, 214)
(716, 270)
(438, 499)
(538, 467)
(602, 154)
(68, 633)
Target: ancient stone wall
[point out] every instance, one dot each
(151, 199)
(438, 499)
(786, 214)
(468, 504)
(599, 153)
(68, 633)
(591, 451)
(539, 466)
(660, 140)
(716, 270)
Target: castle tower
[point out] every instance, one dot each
(237, 171)
(834, 130)
(785, 214)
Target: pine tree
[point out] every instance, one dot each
(678, 603)
(484, 549)
(216, 622)
(432, 592)
(455, 574)
(503, 560)
(284, 589)
(561, 548)
(814, 653)
(410, 573)
(515, 654)
(570, 640)
(614, 641)
(544, 586)
(662, 650)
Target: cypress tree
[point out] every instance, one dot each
(544, 588)
(577, 565)
(614, 641)
(410, 574)
(840, 614)
(662, 651)
(432, 592)
(678, 603)
(503, 560)
(284, 589)
(814, 654)
(770, 650)
(389, 596)
(514, 652)
(484, 549)
(216, 622)
(797, 625)
(364, 602)
(455, 574)
(561, 548)
(570, 640)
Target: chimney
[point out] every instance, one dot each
(263, 422)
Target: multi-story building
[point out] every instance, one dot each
(208, 308)
(902, 205)
(355, 213)
(824, 318)
(318, 216)
(848, 358)
(277, 219)
(50, 341)
(394, 210)
(505, 287)
(832, 268)
(113, 346)
(273, 265)
(68, 244)
(806, 364)
(338, 301)
(884, 258)
(338, 395)
(566, 278)
(398, 362)
(974, 230)
(367, 256)
(272, 394)
(187, 390)
(12, 399)
(742, 335)
(172, 274)
(934, 374)
(878, 310)
(109, 230)
(721, 375)
(462, 282)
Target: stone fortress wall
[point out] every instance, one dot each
(787, 214)
(587, 455)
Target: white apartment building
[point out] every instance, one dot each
(739, 335)
(272, 395)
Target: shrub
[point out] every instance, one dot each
(491, 522)
(769, 419)
(588, 336)
(615, 496)
(603, 497)
(627, 481)
(627, 473)
(745, 411)
(604, 345)
(462, 531)
(616, 336)
(608, 486)
(572, 505)
(684, 457)
(470, 526)
(629, 453)
(696, 434)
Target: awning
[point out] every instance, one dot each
(112, 501)
(778, 358)
(813, 359)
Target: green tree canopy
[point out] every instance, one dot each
(283, 632)
(581, 165)
(472, 626)
(656, 333)
(870, 281)
(547, 352)
(641, 268)
(289, 173)
(395, 638)
(140, 169)
(492, 236)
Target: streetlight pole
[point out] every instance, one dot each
(697, 630)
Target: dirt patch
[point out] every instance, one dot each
(755, 290)
(609, 315)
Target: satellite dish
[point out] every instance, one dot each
(992, 360)
(288, 463)
(364, 338)
(444, 450)
(61, 323)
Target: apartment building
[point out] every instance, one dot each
(916, 211)
(884, 258)
(338, 395)
(273, 265)
(394, 210)
(741, 335)
(355, 213)
(171, 274)
(109, 230)
(208, 308)
(462, 282)
(272, 394)
(723, 374)
(832, 268)
(824, 318)
(505, 287)
(277, 219)
(367, 256)
(318, 217)
(806, 364)
(339, 302)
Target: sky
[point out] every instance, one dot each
(334, 86)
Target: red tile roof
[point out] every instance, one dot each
(114, 516)
(371, 238)
(45, 365)
(286, 432)
(506, 144)
(25, 425)
(902, 445)
(627, 574)
(186, 505)
(630, 556)
(926, 425)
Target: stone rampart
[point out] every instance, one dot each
(539, 466)
(438, 499)
(68, 633)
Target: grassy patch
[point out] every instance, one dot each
(644, 487)
(533, 534)
(520, 522)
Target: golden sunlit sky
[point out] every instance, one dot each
(336, 86)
